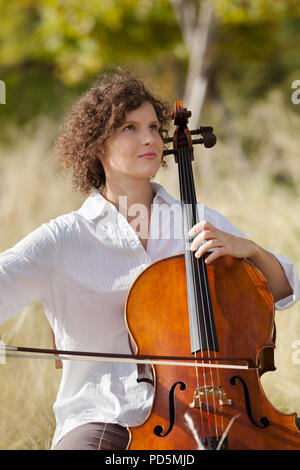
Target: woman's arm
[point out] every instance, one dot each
(269, 265)
(26, 269)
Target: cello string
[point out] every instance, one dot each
(205, 306)
(192, 277)
(204, 278)
(190, 197)
(201, 265)
(203, 293)
(183, 186)
(190, 185)
(182, 192)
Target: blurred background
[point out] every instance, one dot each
(234, 63)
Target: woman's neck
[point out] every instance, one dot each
(121, 195)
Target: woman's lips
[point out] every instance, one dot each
(148, 156)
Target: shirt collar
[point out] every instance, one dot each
(95, 204)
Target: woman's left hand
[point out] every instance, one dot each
(224, 243)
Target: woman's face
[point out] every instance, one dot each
(135, 149)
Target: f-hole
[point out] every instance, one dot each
(158, 430)
(264, 422)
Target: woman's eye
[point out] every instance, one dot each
(129, 127)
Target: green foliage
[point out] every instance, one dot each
(251, 59)
(255, 11)
(257, 50)
(78, 38)
(81, 37)
(51, 49)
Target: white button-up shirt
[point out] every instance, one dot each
(81, 266)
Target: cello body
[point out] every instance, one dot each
(214, 408)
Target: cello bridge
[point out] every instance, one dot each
(201, 393)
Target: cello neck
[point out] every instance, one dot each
(202, 326)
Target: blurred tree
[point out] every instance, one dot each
(248, 31)
(197, 21)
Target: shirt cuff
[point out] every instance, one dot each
(292, 276)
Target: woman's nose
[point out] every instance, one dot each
(148, 137)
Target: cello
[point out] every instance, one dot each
(219, 320)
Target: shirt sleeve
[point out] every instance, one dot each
(292, 276)
(25, 270)
(288, 266)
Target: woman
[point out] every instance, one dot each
(82, 264)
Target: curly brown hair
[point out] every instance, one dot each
(94, 117)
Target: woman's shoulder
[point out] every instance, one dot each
(63, 221)
(48, 233)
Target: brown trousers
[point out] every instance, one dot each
(95, 436)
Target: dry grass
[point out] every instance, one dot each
(32, 192)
